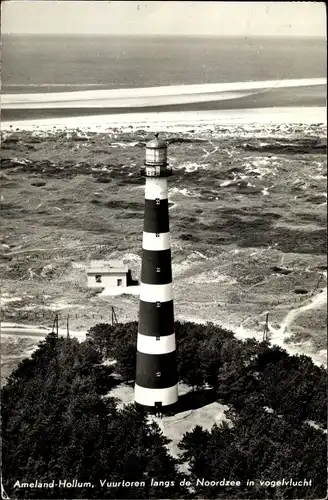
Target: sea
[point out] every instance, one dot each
(44, 64)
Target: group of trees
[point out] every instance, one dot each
(56, 424)
(59, 421)
(257, 446)
(236, 370)
(116, 342)
(271, 396)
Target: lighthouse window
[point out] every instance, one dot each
(158, 338)
(98, 278)
(158, 374)
(158, 201)
(158, 304)
(158, 269)
(157, 235)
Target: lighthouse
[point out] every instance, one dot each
(156, 385)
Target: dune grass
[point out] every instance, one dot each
(67, 200)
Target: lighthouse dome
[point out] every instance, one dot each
(156, 143)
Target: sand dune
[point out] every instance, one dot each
(150, 96)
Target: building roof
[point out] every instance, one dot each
(107, 266)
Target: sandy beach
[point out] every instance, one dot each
(161, 121)
(270, 101)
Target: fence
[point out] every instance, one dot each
(37, 316)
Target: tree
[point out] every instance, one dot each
(101, 336)
(56, 424)
(256, 445)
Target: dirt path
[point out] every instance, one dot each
(50, 249)
(37, 331)
(277, 336)
(316, 301)
(17, 252)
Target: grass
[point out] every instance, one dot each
(90, 207)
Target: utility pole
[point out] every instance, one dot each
(114, 317)
(67, 325)
(266, 328)
(55, 325)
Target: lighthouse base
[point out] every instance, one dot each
(156, 400)
(163, 410)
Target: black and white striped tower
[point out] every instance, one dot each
(156, 386)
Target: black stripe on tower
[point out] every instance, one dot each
(156, 219)
(156, 321)
(156, 371)
(156, 267)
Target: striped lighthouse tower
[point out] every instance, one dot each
(156, 386)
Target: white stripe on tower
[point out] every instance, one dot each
(167, 396)
(152, 345)
(152, 242)
(156, 188)
(156, 386)
(156, 293)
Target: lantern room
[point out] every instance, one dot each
(156, 159)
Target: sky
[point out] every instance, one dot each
(165, 17)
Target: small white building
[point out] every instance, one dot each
(105, 274)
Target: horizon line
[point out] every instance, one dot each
(181, 35)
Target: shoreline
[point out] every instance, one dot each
(223, 103)
(164, 120)
(176, 91)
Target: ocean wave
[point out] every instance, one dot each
(151, 96)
